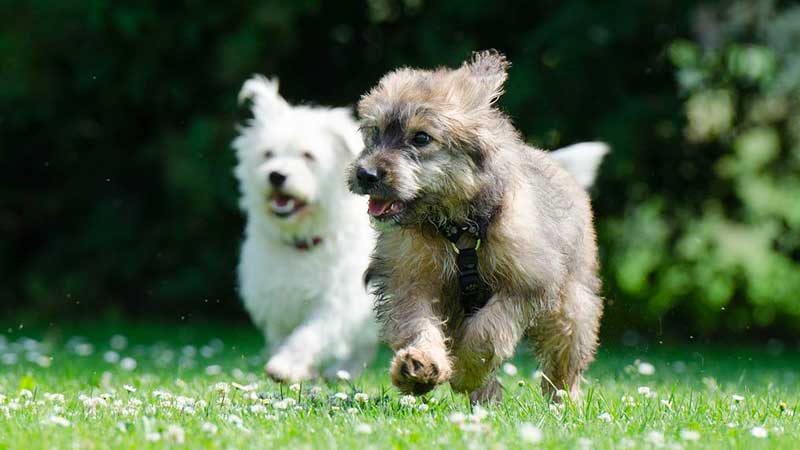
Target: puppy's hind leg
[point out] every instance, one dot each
(565, 340)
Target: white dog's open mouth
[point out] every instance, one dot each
(283, 205)
(383, 209)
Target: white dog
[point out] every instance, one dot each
(307, 240)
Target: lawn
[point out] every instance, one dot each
(136, 386)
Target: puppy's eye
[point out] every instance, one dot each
(268, 154)
(421, 139)
(308, 156)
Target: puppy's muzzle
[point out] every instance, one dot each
(369, 177)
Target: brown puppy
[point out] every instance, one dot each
(449, 178)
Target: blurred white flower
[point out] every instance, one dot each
(537, 375)
(584, 443)
(128, 388)
(655, 437)
(561, 393)
(737, 398)
(530, 433)
(363, 428)
(343, 375)
(605, 417)
(457, 417)
(128, 364)
(510, 369)
(759, 432)
(361, 397)
(422, 407)
(408, 400)
(152, 437)
(285, 403)
(295, 387)
(643, 390)
(111, 357)
(258, 409)
(213, 370)
(55, 398)
(175, 434)
(44, 361)
(246, 387)
(222, 387)
(26, 394)
(645, 368)
(83, 349)
(341, 396)
(235, 420)
(58, 420)
(209, 428)
(690, 435)
(666, 403)
(118, 342)
(478, 414)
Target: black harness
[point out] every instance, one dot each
(473, 292)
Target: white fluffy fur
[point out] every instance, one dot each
(311, 305)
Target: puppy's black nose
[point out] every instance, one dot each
(277, 179)
(368, 177)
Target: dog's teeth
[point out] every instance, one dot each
(286, 207)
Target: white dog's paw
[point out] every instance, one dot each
(285, 370)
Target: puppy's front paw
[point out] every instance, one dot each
(415, 372)
(284, 370)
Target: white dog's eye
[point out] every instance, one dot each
(268, 154)
(308, 156)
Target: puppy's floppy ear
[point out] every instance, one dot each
(263, 92)
(489, 69)
(345, 129)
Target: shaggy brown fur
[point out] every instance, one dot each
(539, 257)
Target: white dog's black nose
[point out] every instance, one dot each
(277, 179)
(368, 177)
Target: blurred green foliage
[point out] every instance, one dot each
(726, 258)
(116, 119)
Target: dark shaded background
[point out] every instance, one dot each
(117, 197)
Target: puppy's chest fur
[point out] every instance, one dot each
(419, 263)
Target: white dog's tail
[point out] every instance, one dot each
(582, 160)
(264, 94)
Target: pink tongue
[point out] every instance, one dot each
(377, 206)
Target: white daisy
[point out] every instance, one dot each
(530, 433)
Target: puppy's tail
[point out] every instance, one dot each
(582, 160)
(263, 92)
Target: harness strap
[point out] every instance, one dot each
(473, 292)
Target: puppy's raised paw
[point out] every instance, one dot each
(415, 372)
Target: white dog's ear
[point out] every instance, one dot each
(582, 160)
(489, 69)
(345, 128)
(263, 92)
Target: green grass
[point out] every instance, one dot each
(176, 394)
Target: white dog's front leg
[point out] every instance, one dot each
(296, 356)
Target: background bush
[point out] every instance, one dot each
(118, 198)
